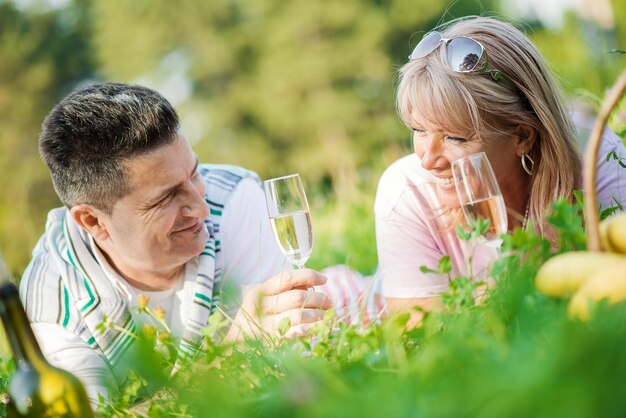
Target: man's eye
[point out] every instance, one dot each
(165, 199)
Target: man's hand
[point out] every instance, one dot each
(287, 295)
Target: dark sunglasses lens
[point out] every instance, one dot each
(427, 45)
(463, 54)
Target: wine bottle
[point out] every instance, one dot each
(37, 389)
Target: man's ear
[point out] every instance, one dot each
(91, 220)
(526, 137)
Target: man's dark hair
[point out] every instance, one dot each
(89, 135)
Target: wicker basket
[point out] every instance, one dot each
(592, 216)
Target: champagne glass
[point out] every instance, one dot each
(290, 218)
(480, 196)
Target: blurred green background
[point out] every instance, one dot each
(275, 86)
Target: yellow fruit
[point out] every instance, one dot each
(563, 274)
(608, 283)
(613, 233)
(603, 229)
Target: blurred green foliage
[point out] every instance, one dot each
(44, 54)
(275, 86)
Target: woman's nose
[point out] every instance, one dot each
(428, 150)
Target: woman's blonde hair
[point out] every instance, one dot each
(529, 98)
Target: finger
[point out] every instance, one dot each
(300, 316)
(295, 279)
(293, 299)
(300, 330)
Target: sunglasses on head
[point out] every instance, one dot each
(461, 54)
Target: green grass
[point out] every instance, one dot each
(517, 354)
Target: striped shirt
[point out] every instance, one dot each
(68, 292)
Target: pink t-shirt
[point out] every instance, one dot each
(411, 233)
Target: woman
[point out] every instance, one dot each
(478, 84)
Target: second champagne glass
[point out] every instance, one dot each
(290, 217)
(480, 196)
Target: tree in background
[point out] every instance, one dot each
(275, 86)
(581, 50)
(44, 53)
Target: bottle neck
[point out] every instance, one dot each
(18, 331)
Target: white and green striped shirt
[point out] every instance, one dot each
(67, 289)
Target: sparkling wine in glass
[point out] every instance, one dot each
(480, 196)
(290, 217)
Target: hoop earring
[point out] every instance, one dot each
(528, 170)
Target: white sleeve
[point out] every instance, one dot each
(249, 252)
(67, 351)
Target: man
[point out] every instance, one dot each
(143, 218)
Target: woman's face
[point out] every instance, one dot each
(437, 146)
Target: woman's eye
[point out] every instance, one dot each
(418, 132)
(455, 140)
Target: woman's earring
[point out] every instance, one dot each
(529, 170)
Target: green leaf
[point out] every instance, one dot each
(305, 343)
(329, 316)
(462, 233)
(425, 269)
(283, 326)
(610, 155)
(403, 318)
(445, 265)
(608, 212)
(481, 226)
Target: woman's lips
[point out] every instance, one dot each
(445, 182)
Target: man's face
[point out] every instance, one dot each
(159, 225)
